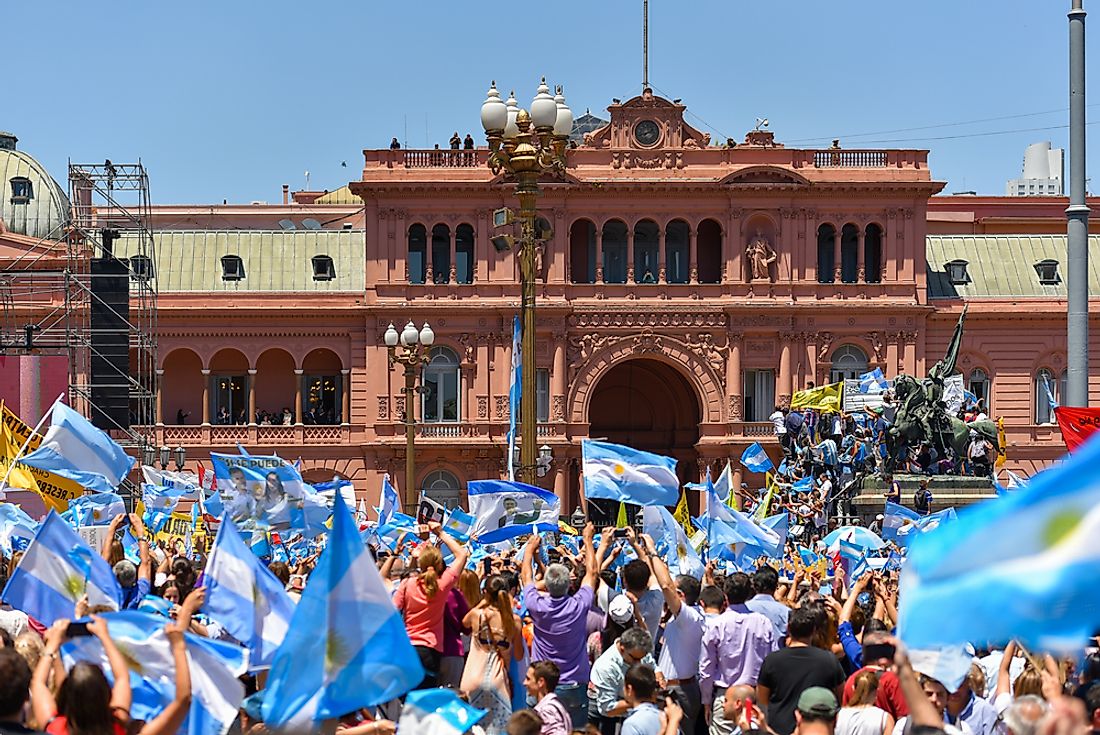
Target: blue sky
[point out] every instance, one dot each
(232, 99)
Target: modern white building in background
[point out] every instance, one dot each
(1043, 172)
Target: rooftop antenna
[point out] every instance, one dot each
(307, 180)
(645, 44)
(761, 123)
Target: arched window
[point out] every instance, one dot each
(978, 384)
(441, 254)
(416, 261)
(442, 487)
(872, 254)
(645, 252)
(826, 253)
(614, 252)
(464, 254)
(849, 254)
(676, 252)
(708, 252)
(1046, 389)
(582, 252)
(848, 362)
(441, 385)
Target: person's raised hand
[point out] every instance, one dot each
(589, 531)
(98, 627)
(175, 634)
(647, 541)
(434, 527)
(57, 634)
(195, 599)
(81, 608)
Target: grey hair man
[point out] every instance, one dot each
(608, 705)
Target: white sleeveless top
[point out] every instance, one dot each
(861, 721)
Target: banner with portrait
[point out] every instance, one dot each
(257, 490)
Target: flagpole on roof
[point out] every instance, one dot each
(23, 449)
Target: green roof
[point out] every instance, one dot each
(274, 260)
(1002, 266)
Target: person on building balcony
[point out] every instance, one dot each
(456, 142)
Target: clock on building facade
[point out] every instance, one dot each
(647, 133)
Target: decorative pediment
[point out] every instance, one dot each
(647, 122)
(756, 175)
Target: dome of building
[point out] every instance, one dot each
(31, 202)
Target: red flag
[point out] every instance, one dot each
(1077, 424)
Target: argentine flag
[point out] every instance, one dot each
(755, 459)
(96, 509)
(347, 647)
(458, 524)
(16, 529)
(437, 712)
(627, 475)
(245, 598)
(873, 382)
(1024, 566)
(504, 510)
(671, 541)
(388, 502)
(58, 569)
(216, 694)
(76, 449)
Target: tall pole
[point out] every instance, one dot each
(410, 434)
(645, 44)
(1077, 214)
(527, 190)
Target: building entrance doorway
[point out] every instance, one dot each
(648, 405)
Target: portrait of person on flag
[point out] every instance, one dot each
(256, 489)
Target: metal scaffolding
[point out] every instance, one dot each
(48, 294)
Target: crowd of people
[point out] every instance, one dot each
(312, 415)
(603, 639)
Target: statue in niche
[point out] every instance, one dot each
(760, 256)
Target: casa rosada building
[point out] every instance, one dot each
(686, 289)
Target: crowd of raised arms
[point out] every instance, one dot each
(554, 640)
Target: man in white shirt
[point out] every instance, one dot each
(679, 659)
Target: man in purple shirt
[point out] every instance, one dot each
(735, 644)
(559, 621)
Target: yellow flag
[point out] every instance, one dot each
(20, 476)
(822, 398)
(1002, 448)
(621, 522)
(57, 491)
(683, 515)
(762, 511)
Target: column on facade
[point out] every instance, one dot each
(298, 396)
(738, 478)
(861, 273)
(561, 243)
(661, 277)
(345, 396)
(811, 358)
(251, 397)
(631, 276)
(909, 363)
(732, 270)
(693, 267)
(466, 375)
(561, 485)
(599, 255)
(733, 377)
(160, 397)
(892, 362)
(205, 396)
(836, 254)
(481, 252)
(783, 387)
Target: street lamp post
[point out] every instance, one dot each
(414, 356)
(523, 155)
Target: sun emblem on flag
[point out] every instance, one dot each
(618, 468)
(336, 654)
(132, 662)
(74, 587)
(97, 514)
(681, 551)
(1061, 526)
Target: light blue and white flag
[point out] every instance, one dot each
(267, 492)
(1050, 396)
(628, 475)
(186, 482)
(95, 509)
(506, 509)
(58, 569)
(347, 647)
(213, 505)
(388, 502)
(245, 597)
(1024, 566)
(515, 390)
(949, 665)
(755, 459)
(873, 382)
(724, 484)
(850, 549)
(16, 529)
(458, 524)
(74, 448)
(162, 497)
(805, 485)
(437, 712)
(216, 693)
(898, 523)
(741, 530)
(778, 524)
(671, 541)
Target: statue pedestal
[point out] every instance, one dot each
(947, 491)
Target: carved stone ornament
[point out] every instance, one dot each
(876, 344)
(483, 408)
(383, 408)
(558, 412)
(735, 407)
(501, 412)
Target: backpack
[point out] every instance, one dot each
(920, 499)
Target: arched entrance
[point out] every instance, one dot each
(646, 404)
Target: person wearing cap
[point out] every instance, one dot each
(815, 712)
(876, 525)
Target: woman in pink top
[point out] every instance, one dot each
(422, 600)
